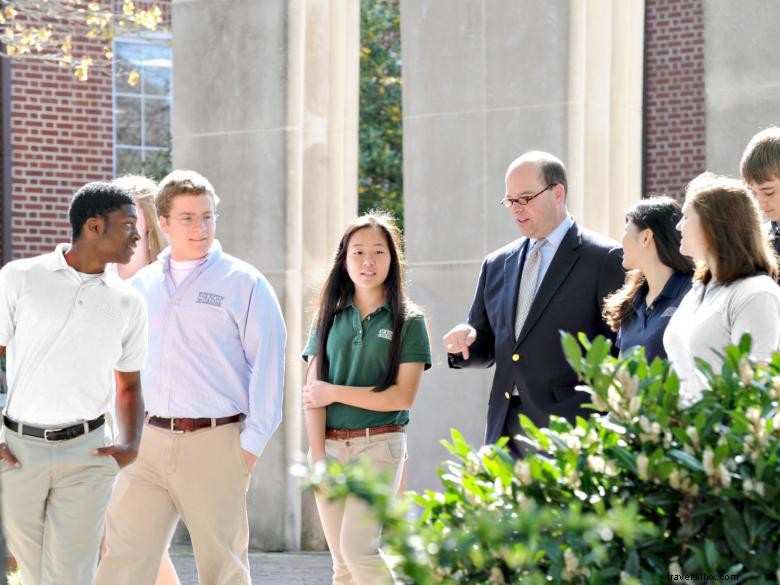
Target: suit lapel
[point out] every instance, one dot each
(564, 260)
(511, 286)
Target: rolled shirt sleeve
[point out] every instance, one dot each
(415, 343)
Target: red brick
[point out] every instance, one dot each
(62, 137)
(674, 148)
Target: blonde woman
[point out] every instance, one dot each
(152, 242)
(152, 237)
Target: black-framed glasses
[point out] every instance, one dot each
(511, 201)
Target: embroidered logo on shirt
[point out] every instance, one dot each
(209, 299)
(385, 334)
(669, 312)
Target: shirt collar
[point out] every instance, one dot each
(351, 303)
(675, 284)
(56, 261)
(214, 252)
(671, 290)
(555, 237)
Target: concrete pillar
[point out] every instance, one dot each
(742, 77)
(605, 111)
(266, 107)
(322, 149)
(484, 81)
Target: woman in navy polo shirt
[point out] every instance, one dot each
(658, 278)
(367, 352)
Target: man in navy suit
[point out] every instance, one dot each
(553, 278)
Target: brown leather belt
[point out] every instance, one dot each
(341, 434)
(186, 425)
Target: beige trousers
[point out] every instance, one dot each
(351, 529)
(53, 507)
(200, 476)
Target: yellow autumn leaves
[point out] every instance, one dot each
(45, 30)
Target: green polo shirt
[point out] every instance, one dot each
(358, 354)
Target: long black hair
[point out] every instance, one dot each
(338, 288)
(660, 215)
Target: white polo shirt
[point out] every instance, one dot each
(713, 317)
(65, 333)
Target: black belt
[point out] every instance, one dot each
(61, 434)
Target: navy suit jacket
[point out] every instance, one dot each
(586, 268)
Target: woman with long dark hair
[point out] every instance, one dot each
(734, 290)
(658, 276)
(367, 351)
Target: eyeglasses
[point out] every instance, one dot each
(511, 201)
(206, 220)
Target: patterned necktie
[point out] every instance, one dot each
(525, 295)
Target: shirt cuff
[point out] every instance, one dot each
(253, 441)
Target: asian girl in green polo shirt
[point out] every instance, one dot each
(367, 352)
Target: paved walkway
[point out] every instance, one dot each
(303, 568)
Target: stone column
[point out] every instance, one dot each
(485, 81)
(265, 98)
(322, 150)
(742, 77)
(605, 111)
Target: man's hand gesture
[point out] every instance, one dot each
(459, 339)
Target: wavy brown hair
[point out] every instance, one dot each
(660, 215)
(338, 288)
(731, 226)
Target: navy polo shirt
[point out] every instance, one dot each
(648, 324)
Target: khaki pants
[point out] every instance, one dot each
(351, 529)
(200, 476)
(53, 507)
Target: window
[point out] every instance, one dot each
(142, 112)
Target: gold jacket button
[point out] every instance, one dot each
(515, 357)
(506, 395)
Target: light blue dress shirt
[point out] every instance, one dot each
(548, 251)
(216, 345)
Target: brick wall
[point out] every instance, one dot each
(62, 137)
(674, 95)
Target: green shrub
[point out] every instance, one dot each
(646, 493)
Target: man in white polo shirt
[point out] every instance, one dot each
(213, 389)
(70, 328)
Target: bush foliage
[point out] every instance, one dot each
(643, 492)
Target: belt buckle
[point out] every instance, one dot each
(173, 429)
(46, 434)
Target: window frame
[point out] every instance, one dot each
(153, 39)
